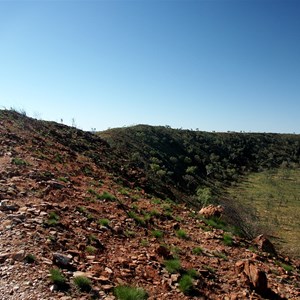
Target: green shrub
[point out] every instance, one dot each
(81, 209)
(63, 179)
(287, 268)
(104, 222)
(182, 234)
(19, 162)
(90, 249)
(157, 234)
(137, 219)
(172, 265)
(227, 239)
(186, 284)
(130, 293)
(197, 251)
(83, 283)
(53, 218)
(193, 273)
(57, 277)
(216, 223)
(107, 196)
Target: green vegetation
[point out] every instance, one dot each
(286, 267)
(107, 196)
(130, 293)
(227, 239)
(139, 220)
(272, 199)
(53, 219)
(19, 161)
(57, 278)
(197, 251)
(157, 234)
(83, 283)
(104, 222)
(182, 234)
(90, 249)
(63, 179)
(199, 163)
(172, 265)
(193, 273)
(186, 284)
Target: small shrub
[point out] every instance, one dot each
(157, 234)
(172, 265)
(53, 218)
(104, 222)
(63, 179)
(129, 233)
(186, 284)
(130, 293)
(107, 196)
(90, 249)
(57, 278)
(287, 268)
(137, 219)
(227, 239)
(182, 234)
(197, 251)
(216, 223)
(156, 201)
(154, 213)
(193, 273)
(19, 162)
(81, 209)
(83, 283)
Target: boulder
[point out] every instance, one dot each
(256, 278)
(264, 244)
(211, 211)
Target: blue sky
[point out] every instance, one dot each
(214, 65)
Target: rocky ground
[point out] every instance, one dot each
(59, 210)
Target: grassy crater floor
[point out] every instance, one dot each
(274, 198)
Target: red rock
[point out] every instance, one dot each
(211, 211)
(264, 244)
(256, 277)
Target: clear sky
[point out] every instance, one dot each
(214, 65)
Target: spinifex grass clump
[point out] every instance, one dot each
(172, 265)
(53, 218)
(227, 239)
(104, 222)
(197, 251)
(157, 234)
(107, 196)
(139, 220)
(182, 234)
(186, 284)
(130, 293)
(58, 278)
(83, 283)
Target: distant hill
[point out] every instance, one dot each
(184, 160)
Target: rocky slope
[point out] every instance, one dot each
(64, 207)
